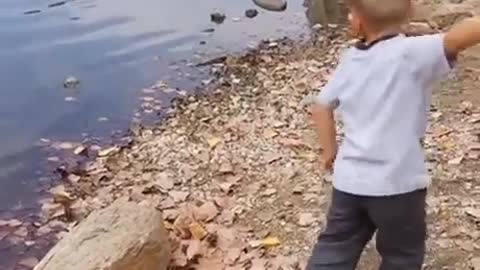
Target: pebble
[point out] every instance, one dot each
(251, 13)
(71, 82)
(218, 17)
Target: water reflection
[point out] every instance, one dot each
(111, 46)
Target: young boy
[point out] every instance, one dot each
(382, 89)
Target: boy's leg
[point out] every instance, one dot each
(348, 231)
(401, 231)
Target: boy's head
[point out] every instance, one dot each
(371, 17)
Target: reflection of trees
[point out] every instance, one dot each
(324, 11)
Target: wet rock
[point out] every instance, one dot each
(71, 82)
(218, 17)
(272, 5)
(251, 13)
(122, 236)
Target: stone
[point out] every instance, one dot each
(251, 13)
(71, 82)
(272, 5)
(123, 236)
(217, 17)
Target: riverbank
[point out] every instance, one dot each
(239, 162)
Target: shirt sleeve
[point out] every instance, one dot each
(329, 95)
(427, 54)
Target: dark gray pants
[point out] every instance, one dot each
(352, 220)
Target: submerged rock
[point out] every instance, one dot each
(251, 13)
(272, 5)
(71, 82)
(217, 17)
(123, 236)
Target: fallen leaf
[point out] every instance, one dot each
(65, 145)
(164, 181)
(473, 212)
(14, 223)
(213, 141)
(232, 256)
(29, 262)
(80, 150)
(194, 249)
(456, 161)
(197, 231)
(171, 214)
(270, 192)
(207, 212)
(270, 241)
(258, 264)
(269, 133)
(179, 196)
(108, 151)
(21, 232)
(3, 234)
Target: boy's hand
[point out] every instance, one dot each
(329, 160)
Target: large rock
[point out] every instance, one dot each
(272, 5)
(124, 236)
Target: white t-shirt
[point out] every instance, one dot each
(383, 96)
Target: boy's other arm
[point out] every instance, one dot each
(462, 36)
(324, 122)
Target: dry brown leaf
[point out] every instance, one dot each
(194, 249)
(29, 262)
(164, 181)
(21, 232)
(270, 241)
(213, 141)
(232, 256)
(258, 264)
(108, 151)
(3, 234)
(197, 231)
(179, 196)
(14, 223)
(206, 213)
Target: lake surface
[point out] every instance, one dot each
(115, 48)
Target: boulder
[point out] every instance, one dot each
(272, 5)
(123, 236)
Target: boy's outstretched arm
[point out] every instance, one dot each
(324, 122)
(462, 36)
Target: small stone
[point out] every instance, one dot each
(71, 82)
(217, 17)
(272, 5)
(306, 219)
(251, 13)
(297, 190)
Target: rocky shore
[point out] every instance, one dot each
(234, 171)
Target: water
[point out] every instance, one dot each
(115, 47)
